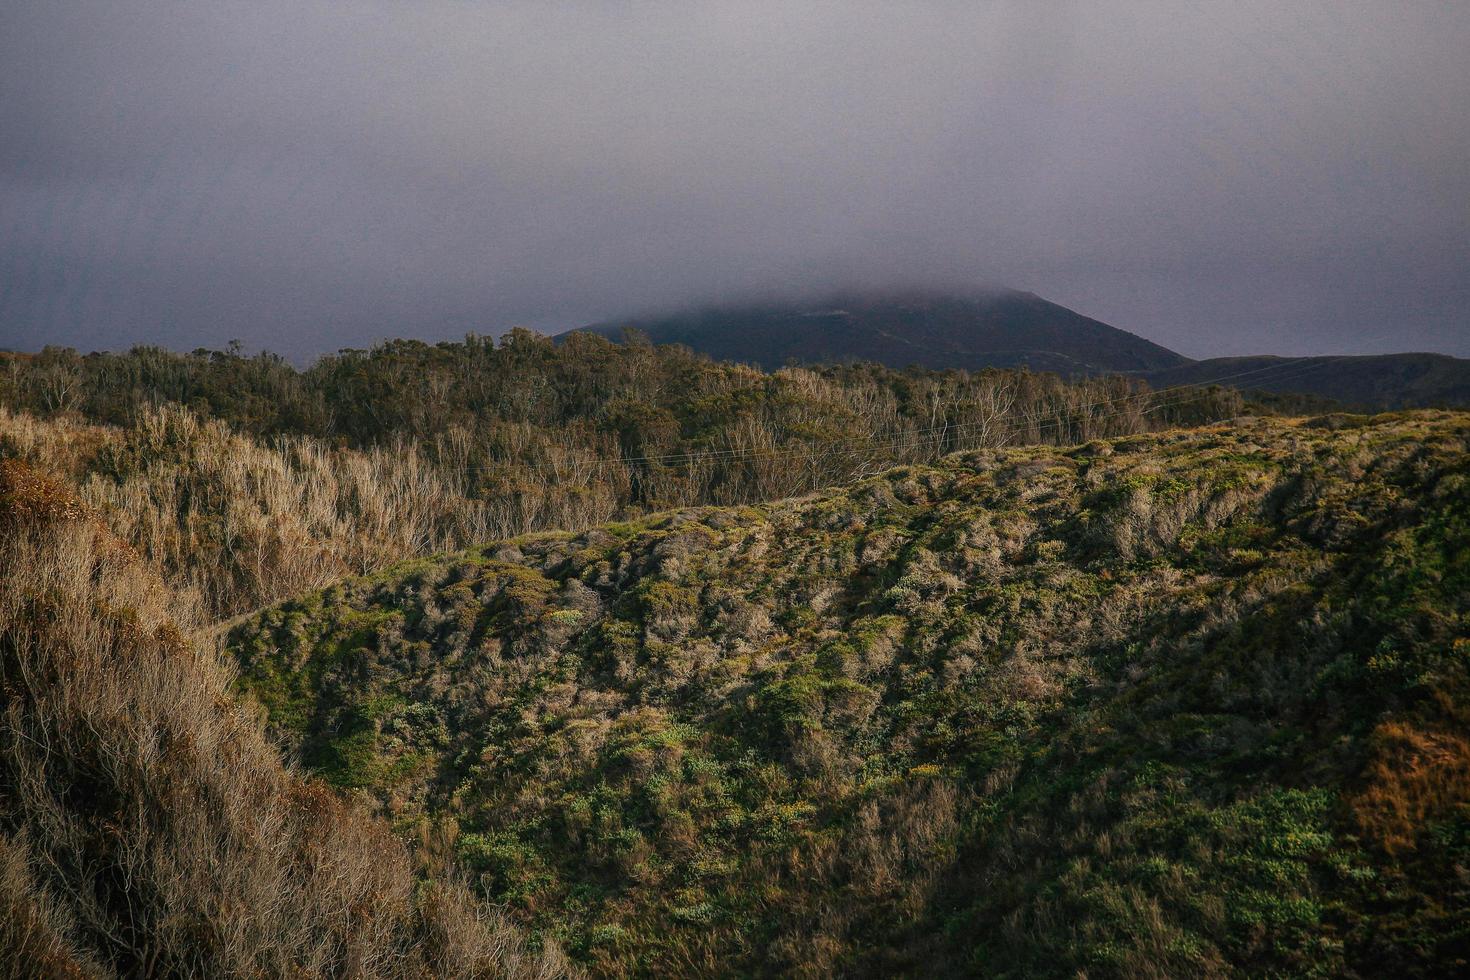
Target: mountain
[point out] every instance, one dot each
(998, 329)
(1015, 329)
(1375, 381)
(1190, 703)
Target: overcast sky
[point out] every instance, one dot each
(1221, 177)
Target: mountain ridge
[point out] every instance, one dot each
(999, 328)
(1013, 328)
(1373, 381)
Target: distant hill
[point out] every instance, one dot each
(998, 329)
(1369, 381)
(1011, 329)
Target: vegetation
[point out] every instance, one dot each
(246, 481)
(1068, 691)
(1181, 703)
(557, 430)
(147, 828)
(239, 523)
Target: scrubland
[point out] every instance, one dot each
(1186, 703)
(233, 464)
(147, 828)
(240, 523)
(446, 660)
(247, 481)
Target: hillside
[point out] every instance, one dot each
(249, 481)
(1004, 329)
(1367, 381)
(1188, 703)
(147, 828)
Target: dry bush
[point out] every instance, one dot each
(246, 524)
(147, 827)
(35, 931)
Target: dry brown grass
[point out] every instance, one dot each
(35, 930)
(1421, 771)
(146, 825)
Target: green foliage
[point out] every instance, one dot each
(566, 433)
(1131, 708)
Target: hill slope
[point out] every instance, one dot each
(1002, 329)
(1177, 704)
(147, 828)
(1369, 381)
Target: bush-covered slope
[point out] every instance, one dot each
(147, 828)
(1176, 704)
(267, 482)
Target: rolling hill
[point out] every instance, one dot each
(1181, 703)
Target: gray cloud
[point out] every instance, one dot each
(1221, 177)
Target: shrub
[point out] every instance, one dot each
(146, 826)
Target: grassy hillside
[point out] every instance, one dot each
(1175, 704)
(147, 828)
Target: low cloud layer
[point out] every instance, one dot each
(303, 175)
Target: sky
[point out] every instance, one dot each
(1221, 177)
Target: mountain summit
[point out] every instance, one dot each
(1005, 328)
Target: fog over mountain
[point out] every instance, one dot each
(979, 330)
(1219, 178)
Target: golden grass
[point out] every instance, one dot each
(1420, 772)
(146, 825)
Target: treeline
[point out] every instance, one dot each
(551, 426)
